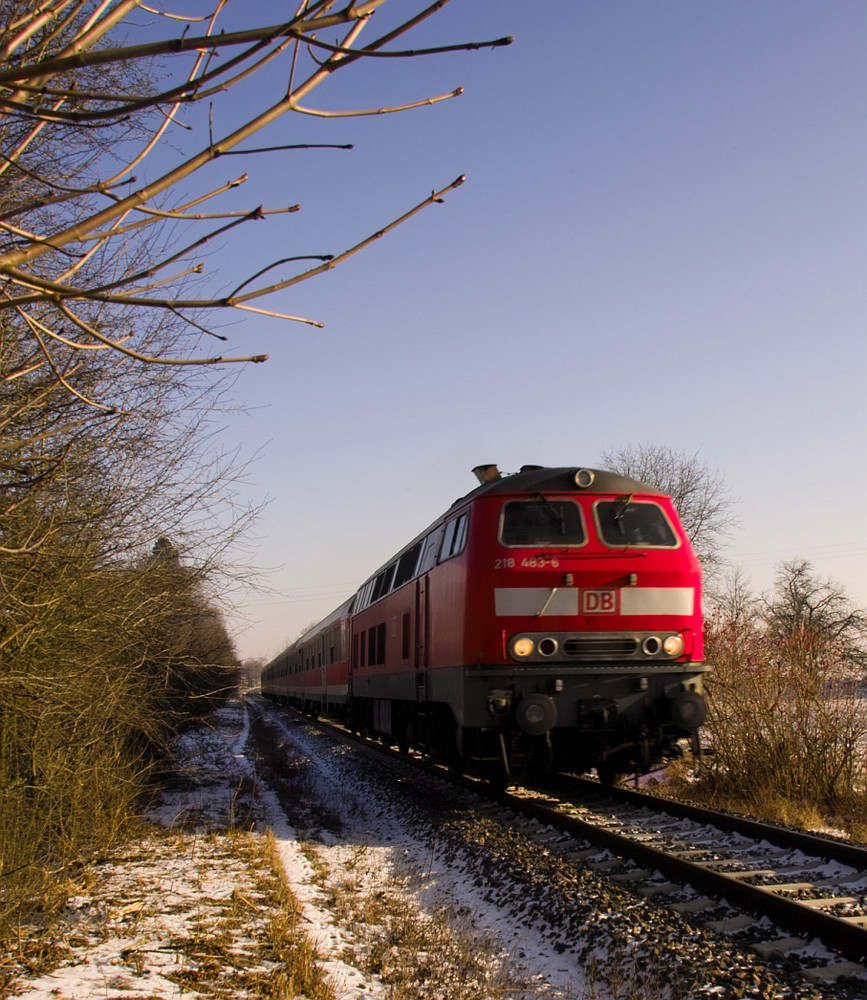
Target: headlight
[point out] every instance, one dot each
(673, 645)
(522, 648)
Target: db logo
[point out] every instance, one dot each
(599, 602)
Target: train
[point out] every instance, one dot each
(550, 619)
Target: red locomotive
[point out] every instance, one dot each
(549, 618)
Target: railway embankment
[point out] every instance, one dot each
(375, 882)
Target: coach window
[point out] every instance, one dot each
(455, 537)
(539, 522)
(626, 522)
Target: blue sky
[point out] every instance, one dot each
(662, 239)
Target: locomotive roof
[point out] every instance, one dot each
(538, 479)
(530, 479)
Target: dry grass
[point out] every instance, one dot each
(848, 814)
(299, 974)
(719, 787)
(229, 954)
(417, 953)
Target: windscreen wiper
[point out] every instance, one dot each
(621, 513)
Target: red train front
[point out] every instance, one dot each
(550, 618)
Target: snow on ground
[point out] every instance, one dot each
(551, 928)
(226, 751)
(144, 922)
(125, 933)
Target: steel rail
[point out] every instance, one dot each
(822, 847)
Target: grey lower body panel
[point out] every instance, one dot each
(467, 690)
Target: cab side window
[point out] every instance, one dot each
(455, 536)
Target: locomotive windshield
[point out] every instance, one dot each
(541, 522)
(640, 522)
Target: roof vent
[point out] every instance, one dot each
(531, 468)
(486, 473)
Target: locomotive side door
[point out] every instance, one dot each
(421, 637)
(427, 561)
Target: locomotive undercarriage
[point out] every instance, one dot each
(618, 719)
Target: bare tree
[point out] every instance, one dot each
(733, 598)
(86, 249)
(803, 604)
(786, 718)
(702, 499)
(96, 266)
(786, 721)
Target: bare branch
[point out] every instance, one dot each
(435, 198)
(56, 292)
(296, 30)
(118, 346)
(378, 111)
(59, 376)
(174, 46)
(411, 53)
(295, 145)
(89, 269)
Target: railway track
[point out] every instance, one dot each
(809, 886)
(777, 889)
